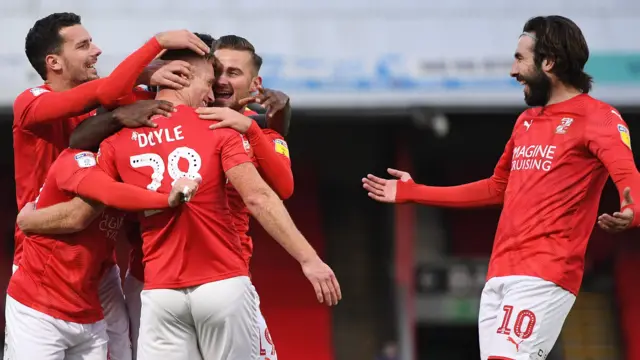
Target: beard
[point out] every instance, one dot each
(539, 86)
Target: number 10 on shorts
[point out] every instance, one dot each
(525, 320)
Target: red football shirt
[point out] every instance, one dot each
(35, 148)
(195, 243)
(239, 211)
(549, 179)
(59, 275)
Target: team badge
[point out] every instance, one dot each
(85, 159)
(281, 147)
(624, 135)
(38, 91)
(564, 125)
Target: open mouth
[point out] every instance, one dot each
(223, 94)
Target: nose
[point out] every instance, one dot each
(210, 97)
(96, 50)
(514, 69)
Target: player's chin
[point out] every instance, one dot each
(224, 101)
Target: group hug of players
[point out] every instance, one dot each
(176, 171)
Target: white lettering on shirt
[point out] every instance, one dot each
(159, 136)
(533, 157)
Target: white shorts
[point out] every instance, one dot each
(5, 354)
(267, 348)
(115, 314)
(214, 321)
(132, 289)
(34, 335)
(521, 317)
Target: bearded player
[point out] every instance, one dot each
(549, 181)
(236, 79)
(62, 52)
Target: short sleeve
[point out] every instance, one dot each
(234, 149)
(72, 167)
(106, 159)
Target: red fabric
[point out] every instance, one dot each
(35, 148)
(59, 275)
(556, 162)
(272, 154)
(628, 292)
(287, 299)
(274, 163)
(97, 185)
(127, 73)
(195, 243)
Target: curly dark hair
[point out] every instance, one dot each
(44, 39)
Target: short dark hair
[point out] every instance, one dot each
(560, 40)
(44, 39)
(181, 54)
(234, 42)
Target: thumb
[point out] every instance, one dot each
(217, 125)
(626, 194)
(395, 173)
(247, 100)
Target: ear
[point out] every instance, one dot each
(53, 62)
(255, 83)
(547, 64)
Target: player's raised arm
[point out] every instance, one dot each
(123, 78)
(89, 133)
(607, 136)
(403, 189)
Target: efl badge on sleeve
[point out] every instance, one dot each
(281, 147)
(38, 91)
(624, 135)
(85, 159)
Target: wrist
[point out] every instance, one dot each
(403, 190)
(254, 130)
(308, 257)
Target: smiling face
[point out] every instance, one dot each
(537, 83)
(236, 77)
(77, 56)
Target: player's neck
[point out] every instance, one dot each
(562, 93)
(60, 84)
(173, 97)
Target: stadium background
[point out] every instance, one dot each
(419, 85)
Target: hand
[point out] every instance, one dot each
(384, 190)
(183, 190)
(139, 113)
(225, 117)
(620, 220)
(28, 208)
(182, 39)
(323, 280)
(273, 100)
(169, 74)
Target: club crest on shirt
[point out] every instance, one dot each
(281, 147)
(624, 135)
(564, 125)
(38, 91)
(85, 159)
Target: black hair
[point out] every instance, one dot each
(44, 39)
(560, 40)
